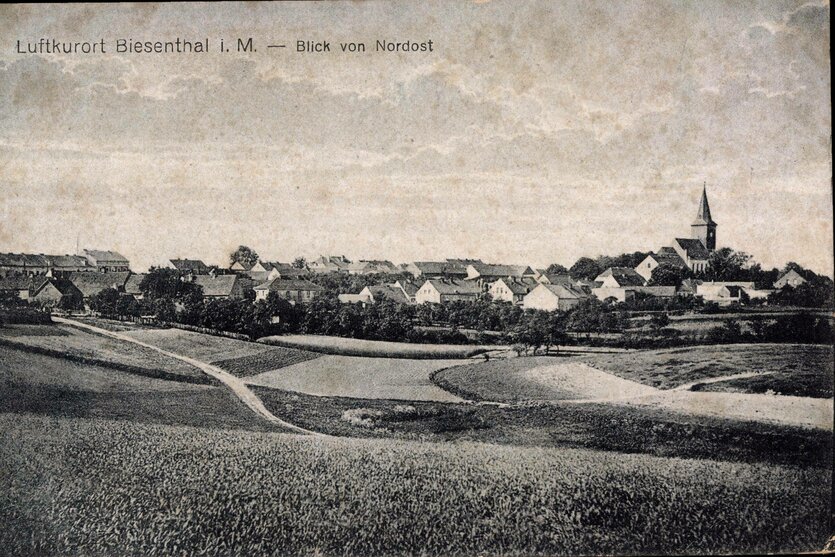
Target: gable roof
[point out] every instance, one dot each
(788, 275)
(408, 286)
(497, 270)
(16, 282)
(565, 292)
(279, 284)
(388, 292)
(694, 248)
(132, 284)
(91, 283)
(624, 276)
(64, 286)
(669, 256)
(189, 265)
(105, 255)
(556, 278)
(218, 285)
(450, 286)
(66, 260)
(521, 285)
(23, 260)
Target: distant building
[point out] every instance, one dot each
(550, 297)
(191, 266)
(722, 293)
(18, 285)
(791, 278)
(379, 292)
(50, 291)
(450, 268)
(491, 272)
(106, 261)
(132, 285)
(619, 277)
(665, 256)
(409, 289)
(372, 266)
(512, 289)
(294, 290)
(90, 284)
(330, 264)
(555, 278)
(438, 291)
(222, 286)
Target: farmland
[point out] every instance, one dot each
(359, 377)
(80, 345)
(809, 368)
(51, 386)
(374, 348)
(85, 487)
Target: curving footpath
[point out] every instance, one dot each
(237, 386)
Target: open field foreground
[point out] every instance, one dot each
(358, 377)
(80, 487)
(376, 349)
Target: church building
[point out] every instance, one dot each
(693, 252)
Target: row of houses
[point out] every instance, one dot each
(58, 266)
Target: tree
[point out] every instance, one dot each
(72, 300)
(244, 255)
(300, 263)
(164, 309)
(160, 283)
(659, 320)
(729, 265)
(585, 268)
(667, 274)
(105, 301)
(556, 269)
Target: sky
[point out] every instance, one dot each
(534, 132)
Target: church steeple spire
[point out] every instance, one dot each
(703, 216)
(704, 228)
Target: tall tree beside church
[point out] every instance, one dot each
(729, 265)
(668, 275)
(244, 255)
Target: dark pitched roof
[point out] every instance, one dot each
(106, 255)
(66, 260)
(449, 286)
(491, 270)
(669, 256)
(132, 284)
(280, 284)
(694, 248)
(567, 292)
(410, 287)
(16, 282)
(703, 216)
(519, 285)
(623, 275)
(190, 265)
(554, 278)
(23, 260)
(91, 283)
(386, 291)
(219, 285)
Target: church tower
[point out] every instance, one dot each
(703, 228)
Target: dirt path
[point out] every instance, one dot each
(688, 386)
(234, 384)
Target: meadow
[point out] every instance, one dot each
(793, 369)
(82, 346)
(361, 377)
(82, 487)
(340, 346)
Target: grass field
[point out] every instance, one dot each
(269, 359)
(82, 487)
(625, 429)
(374, 348)
(35, 383)
(801, 370)
(86, 347)
(358, 377)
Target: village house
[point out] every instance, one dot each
(132, 285)
(619, 277)
(665, 256)
(512, 289)
(555, 278)
(222, 286)
(438, 291)
(17, 285)
(791, 278)
(550, 297)
(106, 261)
(489, 272)
(451, 268)
(51, 291)
(188, 266)
(90, 284)
(380, 292)
(240, 267)
(263, 271)
(728, 292)
(372, 266)
(409, 289)
(294, 290)
(330, 264)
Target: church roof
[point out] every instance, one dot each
(703, 216)
(694, 248)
